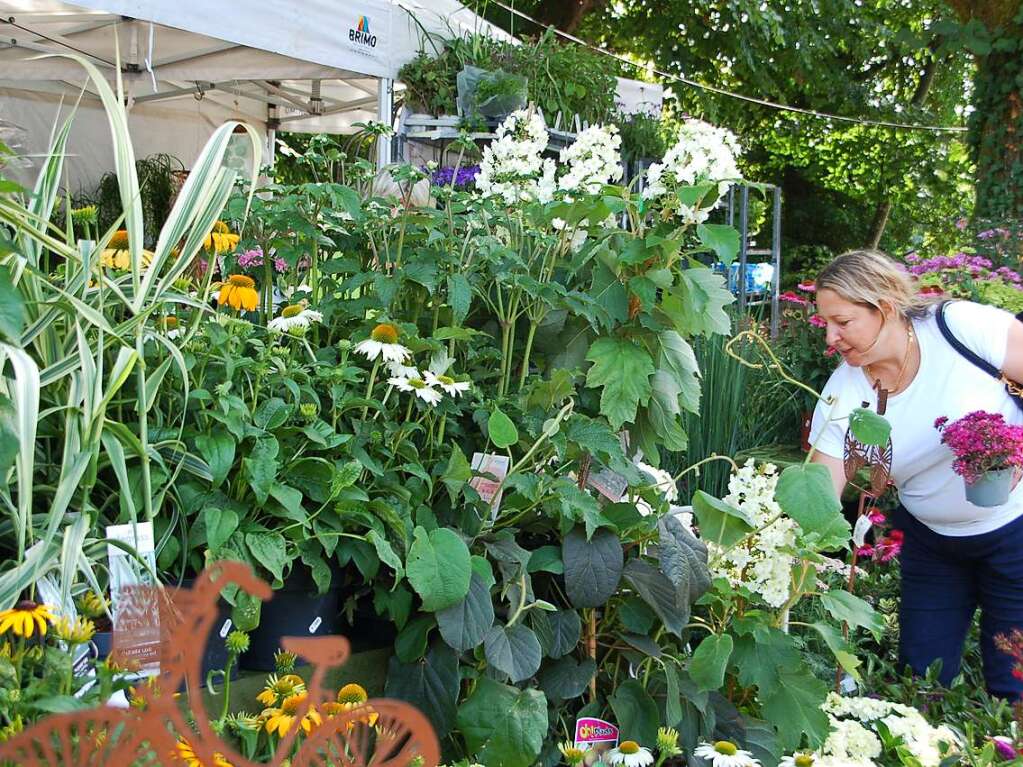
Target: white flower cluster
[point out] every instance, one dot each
(661, 480)
(763, 563)
(512, 166)
(703, 153)
(853, 741)
(593, 160)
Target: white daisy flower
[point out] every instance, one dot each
(398, 370)
(383, 342)
(724, 753)
(294, 317)
(798, 760)
(416, 385)
(447, 383)
(630, 754)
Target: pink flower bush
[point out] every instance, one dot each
(981, 442)
(253, 258)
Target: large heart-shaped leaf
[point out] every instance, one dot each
(720, 522)
(566, 678)
(502, 725)
(636, 712)
(220, 524)
(217, 449)
(513, 650)
(807, 494)
(710, 660)
(438, 567)
(660, 593)
(430, 684)
(794, 708)
(683, 559)
(592, 567)
(465, 624)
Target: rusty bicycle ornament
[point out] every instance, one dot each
(379, 732)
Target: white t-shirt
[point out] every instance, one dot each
(947, 384)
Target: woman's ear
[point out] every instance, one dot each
(888, 310)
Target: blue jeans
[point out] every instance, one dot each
(944, 580)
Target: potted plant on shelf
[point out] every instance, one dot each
(988, 452)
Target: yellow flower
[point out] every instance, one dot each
(119, 240)
(185, 753)
(25, 618)
(92, 605)
(87, 214)
(352, 697)
(115, 258)
(239, 292)
(352, 693)
(571, 753)
(78, 631)
(220, 240)
(278, 689)
(281, 719)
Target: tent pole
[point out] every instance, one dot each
(385, 107)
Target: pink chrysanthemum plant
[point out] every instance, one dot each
(982, 442)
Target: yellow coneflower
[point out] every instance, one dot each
(92, 605)
(75, 632)
(220, 239)
(25, 618)
(87, 214)
(115, 258)
(352, 697)
(239, 292)
(118, 240)
(279, 688)
(571, 753)
(184, 752)
(279, 720)
(16, 726)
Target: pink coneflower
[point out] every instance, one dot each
(250, 258)
(877, 518)
(280, 264)
(807, 287)
(830, 351)
(1004, 747)
(817, 321)
(789, 297)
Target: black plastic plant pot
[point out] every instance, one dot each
(293, 610)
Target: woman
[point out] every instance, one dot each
(955, 556)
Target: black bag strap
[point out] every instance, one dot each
(969, 354)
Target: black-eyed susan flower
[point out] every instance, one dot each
(183, 752)
(383, 342)
(25, 619)
(278, 688)
(220, 239)
(239, 292)
(74, 632)
(281, 719)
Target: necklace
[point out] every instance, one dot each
(882, 392)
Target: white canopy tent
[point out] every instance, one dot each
(189, 65)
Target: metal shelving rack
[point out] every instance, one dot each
(441, 131)
(740, 209)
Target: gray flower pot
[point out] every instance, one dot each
(992, 489)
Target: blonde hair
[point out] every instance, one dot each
(869, 277)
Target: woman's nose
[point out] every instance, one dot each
(831, 336)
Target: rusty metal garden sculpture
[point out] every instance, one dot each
(380, 732)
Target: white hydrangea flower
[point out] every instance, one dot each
(763, 564)
(851, 740)
(593, 160)
(661, 480)
(702, 153)
(512, 166)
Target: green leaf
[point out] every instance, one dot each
(546, 559)
(459, 297)
(636, 712)
(410, 644)
(457, 473)
(566, 678)
(869, 428)
(720, 238)
(677, 357)
(807, 494)
(683, 559)
(220, 524)
(59, 704)
(609, 293)
(464, 625)
(217, 449)
(271, 413)
(660, 593)
(501, 430)
(794, 708)
(482, 567)
(386, 554)
(513, 650)
(565, 630)
(438, 568)
(623, 369)
(12, 310)
(502, 725)
(261, 467)
(849, 608)
(431, 685)
(636, 615)
(720, 522)
(664, 411)
(709, 662)
(592, 567)
(697, 305)
(291, 500)
(346, 475)
(269, 550)
(841, 648)
(760, 656)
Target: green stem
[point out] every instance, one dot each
(525, 355)
(227, 687)
(369, 386)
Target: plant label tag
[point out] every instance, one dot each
(859, 535)
(848, 685)
(315, 624)
(225, 629)
(135, 596)
(595, 736)
(493, 468)
(609, 484)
